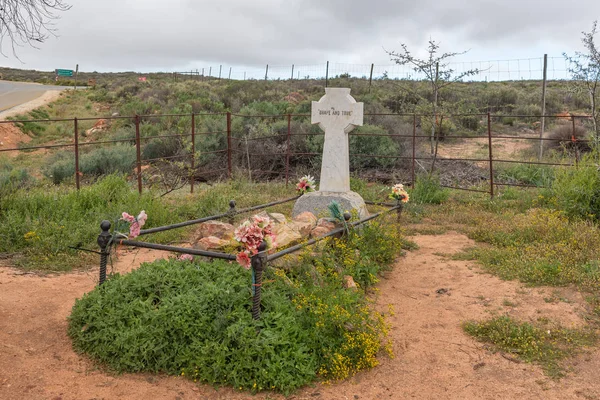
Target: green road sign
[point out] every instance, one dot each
(64, 72)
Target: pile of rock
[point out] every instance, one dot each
(217, 235)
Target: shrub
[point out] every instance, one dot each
(562, 138)
(193, 319)
(11, 177)
(502, 99)
(532, 110)
(99, 162)
(444, 126)
(161, 148)
(530, 174)
(428, 190)
(577, 191)
(383, 146)
(470, 122)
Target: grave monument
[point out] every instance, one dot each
(337, 113)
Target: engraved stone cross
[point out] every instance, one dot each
(337, 113)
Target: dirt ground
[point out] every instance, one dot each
(10, 137)
(477, 148)
(434, 359)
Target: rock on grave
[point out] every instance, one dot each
(218, 229)
(337, 113)
(285, 235)
(324, 226)
(211, 243)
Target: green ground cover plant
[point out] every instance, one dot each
(193, 318)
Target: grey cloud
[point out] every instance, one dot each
(159, 35)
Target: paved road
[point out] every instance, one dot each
(14, 93)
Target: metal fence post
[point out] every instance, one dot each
(138, 153)
(574, 141)
(491, 155)
(193, 160)
(258, 263)
(229, 171)
(327, 75)
(414, 150)
(77, 173)
(103, 241)
(371, 77)
(400, 206)
(287, 150)
(231, 212)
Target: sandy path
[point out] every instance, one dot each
(434, 358)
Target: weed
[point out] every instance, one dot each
(536, 344)
(427, 190)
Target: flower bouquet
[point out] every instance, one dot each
(399, 193)
(306, 184)
(251, 234)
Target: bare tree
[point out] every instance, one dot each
(436, 70)
(28, 21)
(585, 70)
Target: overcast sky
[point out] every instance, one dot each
(172, 35)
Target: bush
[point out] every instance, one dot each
(428, 190)
(562, 138)
(532, 110)
(529, 174)
(193, 319)
(11, 177)
(501, 99)
(161, 148)
(577, 191)
(383, 146)
(99, 162)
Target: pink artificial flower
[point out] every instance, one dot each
(186, 257)
(241, 232)
(142, 217)
(127, 217)
(134, 230)
(262, 221)
(243, 259)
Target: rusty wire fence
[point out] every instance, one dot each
(284, 147)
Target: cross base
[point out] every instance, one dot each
(317, 202)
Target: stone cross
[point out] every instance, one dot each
(337, 113)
